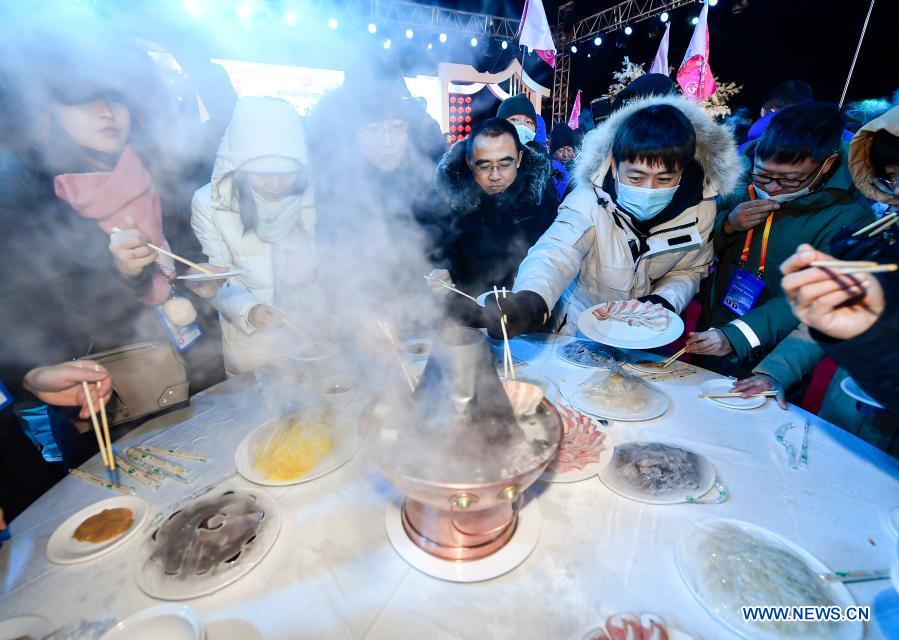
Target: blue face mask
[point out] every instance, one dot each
(643, 203)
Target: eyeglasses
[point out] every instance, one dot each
(886, 185)
(764, 180)
(487, 169)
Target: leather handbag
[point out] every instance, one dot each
(146, 378)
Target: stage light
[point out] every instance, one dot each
(372, 27)
(387, 43)
(712, 3)
(574, 48)
(695, 21)
(504, 45)
(442, 38)
(430, 46)
(332, 23)
(474, 42)
(245, 11)
(192, 7)
(628, 31)
(409, 33)
(588, 55)
(597, 41)
(664, 16)
(290, 18)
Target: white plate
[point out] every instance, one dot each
(587, 353)
(516, 551)
(25, 627)
(621, 334)
(850, 388)
(314, 352)
(723, 385)
(589, 470)
(203, 277)
(573, 394)
(170, 621)
(344, 448)
(687, 559)
(62, 548)
(154, 582)
(624, 488)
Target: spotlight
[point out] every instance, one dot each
(712, 3)
(372, 27)
(290, 18)
(695, 21)
(589, 56)
(409, 33)
(504, 45)
(474, 42)
(192, 7)
(597, 41)
(442, 38)
(387, 43)
(664, 16)
(430, 46)
(332, 23)
(244, 11)
(573, 48)
(628, 31)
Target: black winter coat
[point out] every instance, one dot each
(489, 235)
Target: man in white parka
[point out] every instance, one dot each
(258, 214)
(638, 223)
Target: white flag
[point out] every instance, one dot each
(660, 62)
(534, 32)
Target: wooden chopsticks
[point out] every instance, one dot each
(103, 440)
(508, 362)
(878, 226)
(451, 287)
(768, 394)
(671, 360)
(855, 266)
(410, 377)
(175, 256)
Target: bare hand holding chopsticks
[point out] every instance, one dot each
(133, 251)
(60, 385)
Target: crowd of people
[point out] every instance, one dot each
(660, 203)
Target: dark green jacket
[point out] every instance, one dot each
(815, 219)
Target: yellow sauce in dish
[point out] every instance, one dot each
(293, 451)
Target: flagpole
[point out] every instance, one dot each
(858, 48)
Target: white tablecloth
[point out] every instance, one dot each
(333, 574)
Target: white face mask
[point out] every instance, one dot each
(786, 197)
(524, 133)
(644, 203)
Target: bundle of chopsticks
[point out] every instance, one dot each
(508, 362)
(855, 266)
(103, 439)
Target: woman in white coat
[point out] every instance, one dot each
(638, 223)
(258, 214)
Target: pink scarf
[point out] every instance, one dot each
(109, 197)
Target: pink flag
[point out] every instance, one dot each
(534, 32)
(660, 62)
(695, 74)
(575, 117)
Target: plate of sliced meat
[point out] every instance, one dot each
(631, 324)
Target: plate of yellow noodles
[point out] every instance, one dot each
(296, 448)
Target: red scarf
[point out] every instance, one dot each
(109, 197)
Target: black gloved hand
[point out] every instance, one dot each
(525, 311)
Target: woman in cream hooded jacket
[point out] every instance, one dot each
(592, 253)
(265, 135)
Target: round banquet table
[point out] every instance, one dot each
(332, 573)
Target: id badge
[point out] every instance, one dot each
(744, 291)
(182, 338)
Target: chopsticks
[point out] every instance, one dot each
(878, 226)
(855, 266)
(410, 378)
(856, 576)
(175, 256)
(671, 360)
(452, 287)
(103, 439)
(508, 362)
(768, 394)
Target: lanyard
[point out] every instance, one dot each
(765, 235)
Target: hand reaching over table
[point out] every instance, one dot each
(626, 626)
(760, 383)
(841, 305)
(60, 384)
(130, 250)
(709, 343)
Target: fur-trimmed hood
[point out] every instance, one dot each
(860, 155)
(716, 151)
(456, 185)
